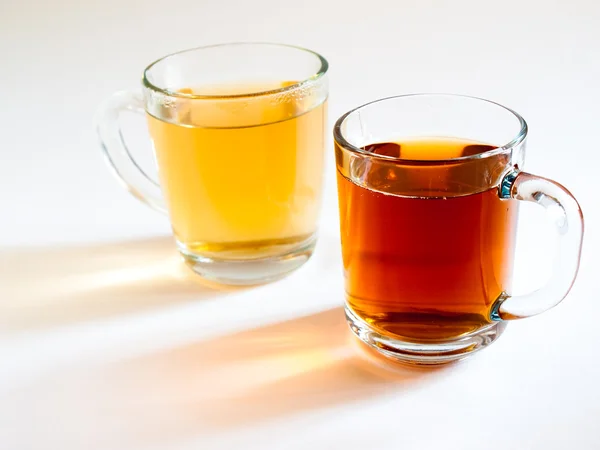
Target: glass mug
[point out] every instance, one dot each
(238, 134)
(429, 187)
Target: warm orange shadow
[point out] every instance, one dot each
(306, 363)
(212, 388)
(53, 286)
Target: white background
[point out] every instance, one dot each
(107, 342)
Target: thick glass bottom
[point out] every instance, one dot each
(424, 353)
(265, 263)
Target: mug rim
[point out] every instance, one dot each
(316, 76)
(518, 139)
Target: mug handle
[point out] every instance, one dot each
(127, 170)
(568, 220)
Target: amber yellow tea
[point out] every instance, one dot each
(242, 181)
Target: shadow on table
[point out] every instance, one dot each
(211, 389)
(56, 286)
(271, 372)
(208, 389)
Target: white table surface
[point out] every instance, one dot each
(107, 342)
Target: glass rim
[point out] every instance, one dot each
(341, 140)
(314, 77)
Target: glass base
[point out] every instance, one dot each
(429, 353)
(269, 264)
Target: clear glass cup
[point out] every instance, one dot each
(238, 136)
(428, 224)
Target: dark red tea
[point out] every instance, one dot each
(427, 266)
